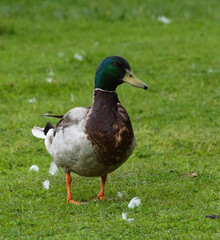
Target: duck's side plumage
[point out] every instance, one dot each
(69, 146)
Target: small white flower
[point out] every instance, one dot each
(53, 168)
(210, 70)
(124, 217)
(78, 57)
(164, 19)
(134, 202)
(33, 100)
(34, 168)
(46, 184)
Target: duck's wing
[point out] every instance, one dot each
(73, 117)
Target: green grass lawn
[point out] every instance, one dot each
(176, 121)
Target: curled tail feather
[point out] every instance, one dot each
(41, 132)
(38, 132)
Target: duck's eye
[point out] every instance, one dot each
(130, 75)
(115, 64)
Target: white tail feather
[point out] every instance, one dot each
(38, 132)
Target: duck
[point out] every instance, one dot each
(96, 140)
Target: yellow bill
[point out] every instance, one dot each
(130, 78)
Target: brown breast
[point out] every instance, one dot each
(109, 129)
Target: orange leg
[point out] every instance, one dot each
(101, 195)
(69, 196)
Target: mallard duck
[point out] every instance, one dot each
(94, 141)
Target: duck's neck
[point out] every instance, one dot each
(103, 98)
(103, 114)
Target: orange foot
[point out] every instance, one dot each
(101, 197)
(75, 202)
(69, 196)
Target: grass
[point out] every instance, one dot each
(176, 121)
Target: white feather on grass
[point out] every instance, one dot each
(46, 184)
(78, 57)
(61, 54)
(34, 168)
(53, 168)
(71, 97)
(33, 100)
(124, 217)
(134, 202)
(164, 20)
(49, 79)
(120, 194)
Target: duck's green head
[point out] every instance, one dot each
(114, 71)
